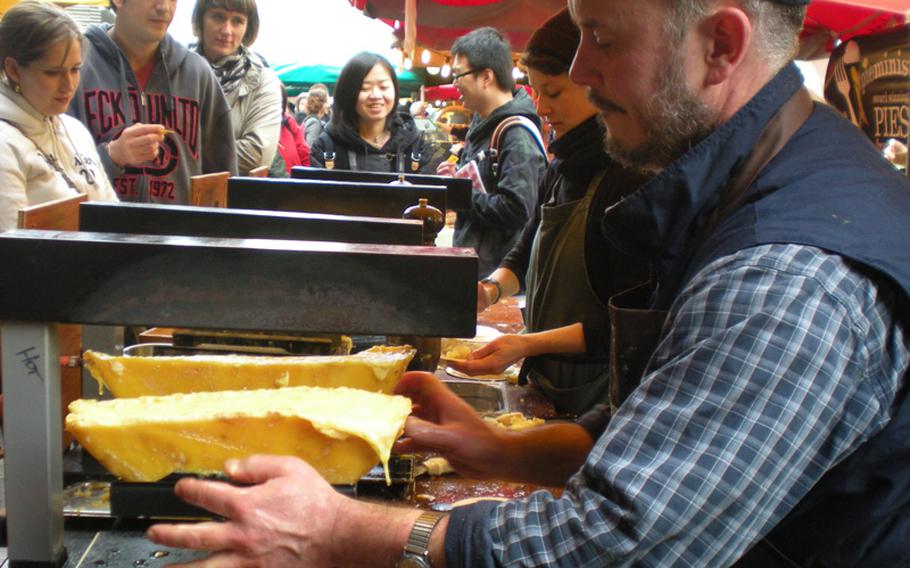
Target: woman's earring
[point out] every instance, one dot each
(17, 88)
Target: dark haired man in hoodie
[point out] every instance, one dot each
(482, 72)
(155, 109)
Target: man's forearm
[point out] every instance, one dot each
(370, 534)
(547, 455)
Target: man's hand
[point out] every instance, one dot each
(286, 518)
(136, 145)
(445, 424)
(494, 357)
(896, 153)
(445, 169)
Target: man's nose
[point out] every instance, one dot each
(582, 70)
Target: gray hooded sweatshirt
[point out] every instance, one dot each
(182, 94)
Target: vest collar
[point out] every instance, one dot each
(658, 220)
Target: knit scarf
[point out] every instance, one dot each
(230, 69)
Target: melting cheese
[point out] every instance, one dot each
(375, 370)
(341, 432)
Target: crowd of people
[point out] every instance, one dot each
(755, 411)
(157, 112)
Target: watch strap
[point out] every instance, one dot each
(419, 539)
(498, 286)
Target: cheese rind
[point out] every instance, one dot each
(341, 432)
(375, 370)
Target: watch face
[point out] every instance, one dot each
(412, 561)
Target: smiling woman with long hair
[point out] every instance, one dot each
(44, 154)
(366, 131)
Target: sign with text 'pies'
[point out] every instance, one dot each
(868, 81)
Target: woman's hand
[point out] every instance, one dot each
(494, 357)
(136, 145)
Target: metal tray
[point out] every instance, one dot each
(484, 397)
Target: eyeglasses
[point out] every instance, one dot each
(458, 76)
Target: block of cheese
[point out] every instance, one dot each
(377, 370)
(341, 432)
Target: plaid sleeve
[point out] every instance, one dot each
(779, 361)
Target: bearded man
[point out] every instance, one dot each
(770, 425)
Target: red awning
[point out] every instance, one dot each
(441, 93)
(440, 22)
(843, 19)
(450, 93)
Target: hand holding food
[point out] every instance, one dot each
(447, 425)
(896, 153)
(493, 358)
(284, 487)
(445, 169)
(137, 144)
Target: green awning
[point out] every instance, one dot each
(298, 78)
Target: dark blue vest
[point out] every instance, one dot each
(829, 188)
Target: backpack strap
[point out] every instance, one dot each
(499, 132)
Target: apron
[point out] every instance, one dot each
(559, 294)
(636, 329)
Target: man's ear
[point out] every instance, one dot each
(727, 37)
(488, 77)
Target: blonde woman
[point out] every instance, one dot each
(44, 154)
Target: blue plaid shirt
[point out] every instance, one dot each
(778, 362)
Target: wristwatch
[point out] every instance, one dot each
(417, 550)
(498, 286)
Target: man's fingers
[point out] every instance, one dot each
(261, 468)
(218, 560)
(419, 386)
(209, 536)
(404, 446)
(426, 436)
(213, 496)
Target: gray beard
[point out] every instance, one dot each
(674, 121)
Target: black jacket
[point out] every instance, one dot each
(404, 148)
(492, 225)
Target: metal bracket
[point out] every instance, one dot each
(34, 455)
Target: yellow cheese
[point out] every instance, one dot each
(375, 370)
(341, 432)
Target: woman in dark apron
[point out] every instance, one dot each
(562, 260)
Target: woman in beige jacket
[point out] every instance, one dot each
(44, 154)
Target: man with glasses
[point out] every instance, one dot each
(482, 72)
